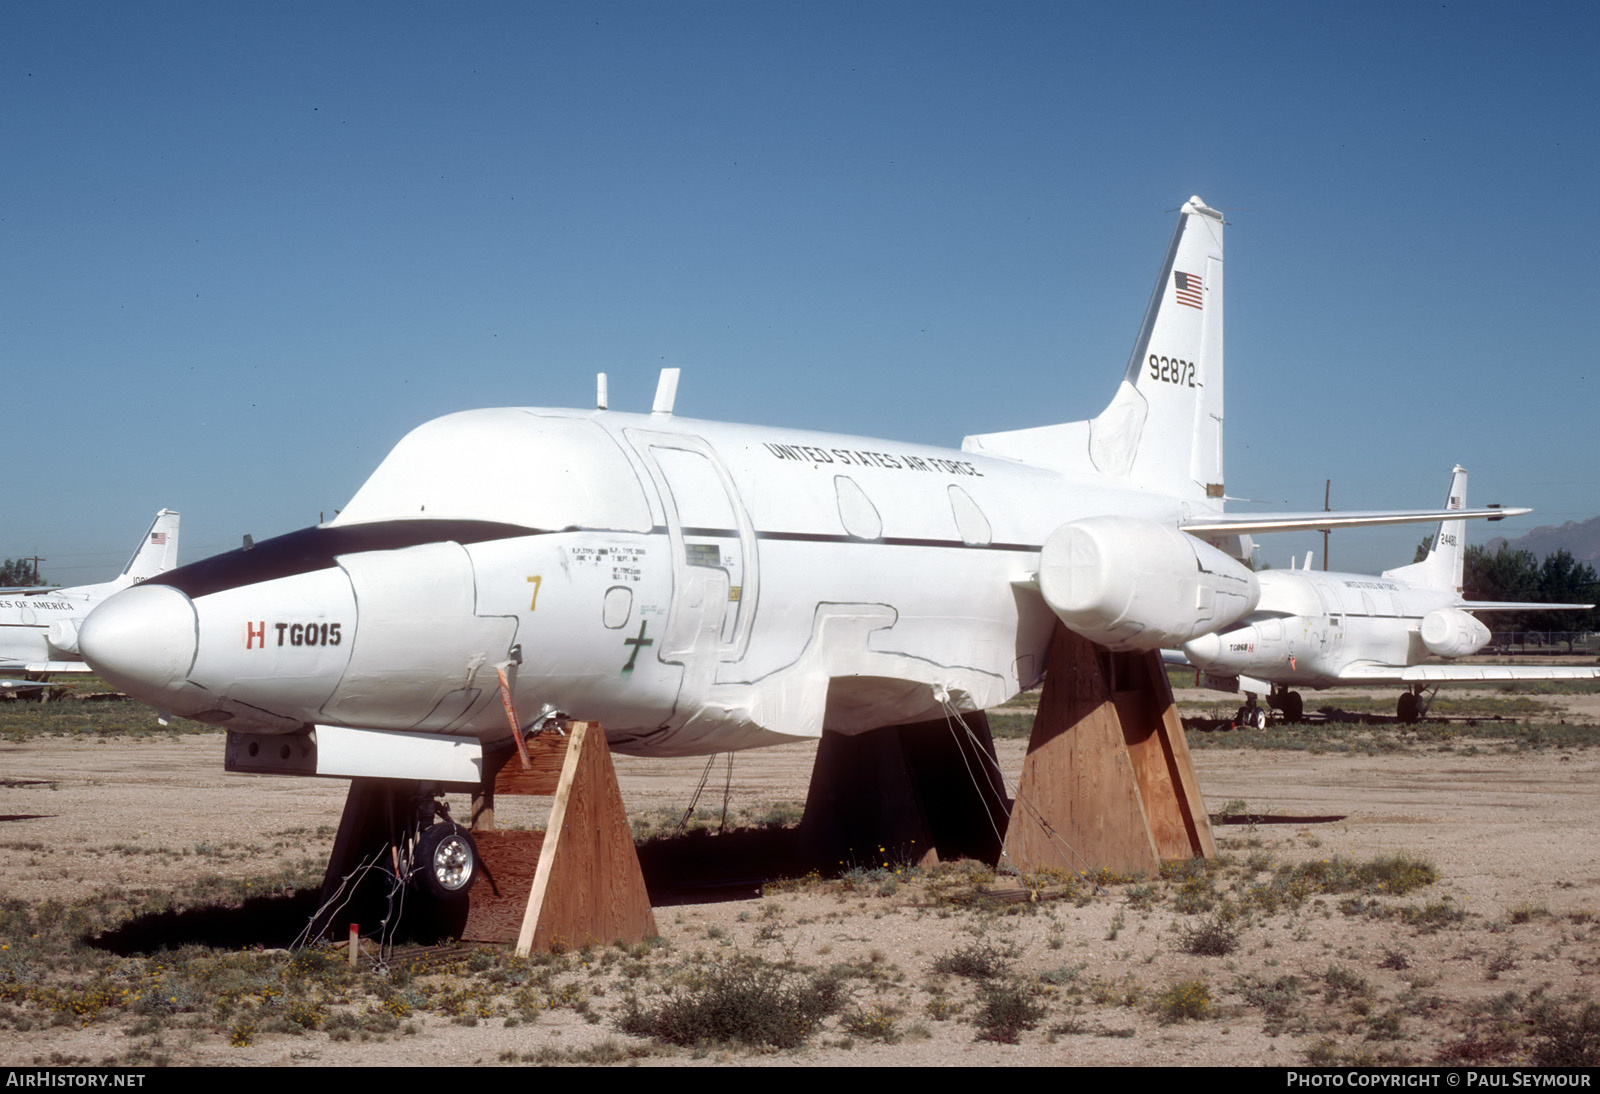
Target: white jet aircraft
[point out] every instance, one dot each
(1318, 630)
(699, 587)
(39, 627)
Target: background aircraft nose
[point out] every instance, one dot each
(142, 640)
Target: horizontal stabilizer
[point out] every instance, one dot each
(1436, 674)
(1252, 523)
(1519, 606)
(40, 668)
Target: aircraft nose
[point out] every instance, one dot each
(142, 640)
(1204, 650)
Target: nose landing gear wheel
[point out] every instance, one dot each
(447, 861)
(1251, 717)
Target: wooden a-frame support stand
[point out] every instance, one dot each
(577, 882)
(1108, 783)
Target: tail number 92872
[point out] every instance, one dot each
(1170, 370)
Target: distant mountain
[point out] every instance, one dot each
(1583, 540)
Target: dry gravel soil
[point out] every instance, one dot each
(1514, 834)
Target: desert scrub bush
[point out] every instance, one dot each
(1196, 881)
(1527, 911)
(962, 883)
(803, 883)
(1564, 1038)
(1215, 936)
(774, 815)
(1341, 982)
(873, 1023)
(243, 1033)
(1386, 1026)
(1050, 877)
(1277, 1000)
(1476, 1049)
(1126, 992)
(1390, 875)
(1395, 959)
(1185, 869)
(1187, 1000)
(1142, 896)
(743, 1001)
(1432, 916)
(306, 1013)
(1005, 1009)
(975, 961)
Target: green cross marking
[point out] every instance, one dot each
(637, 643)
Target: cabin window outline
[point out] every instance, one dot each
(858, 517)
(971, 524)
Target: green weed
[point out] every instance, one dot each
(743, 1001)
(976, 961)
(1005, 1010)
(1187, 1000)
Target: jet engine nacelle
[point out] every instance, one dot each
(62, 639)
(1133, 584)
(1451, 632)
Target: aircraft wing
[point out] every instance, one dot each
(1368, 673)
(18, 689)
(52, 667)
(1316, 521)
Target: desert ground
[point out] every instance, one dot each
(1383, 894)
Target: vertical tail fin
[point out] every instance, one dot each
(1163, 429)
(157, 551)
(1442, 567)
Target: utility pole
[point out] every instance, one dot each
(1327, 494)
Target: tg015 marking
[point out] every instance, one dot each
(292, 634)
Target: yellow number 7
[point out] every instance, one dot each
(534, 603)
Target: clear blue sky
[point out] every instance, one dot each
(245, 247)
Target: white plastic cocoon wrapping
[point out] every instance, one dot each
(375, 754)
(1451, 632)
(62, 638)
(1134, 584)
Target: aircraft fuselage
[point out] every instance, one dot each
(693, 586)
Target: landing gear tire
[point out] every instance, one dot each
(1408, 709)
(1292, 706)
(1250, 716)
(446, 862)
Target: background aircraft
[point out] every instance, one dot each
(39, 626)
(1318, 629)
